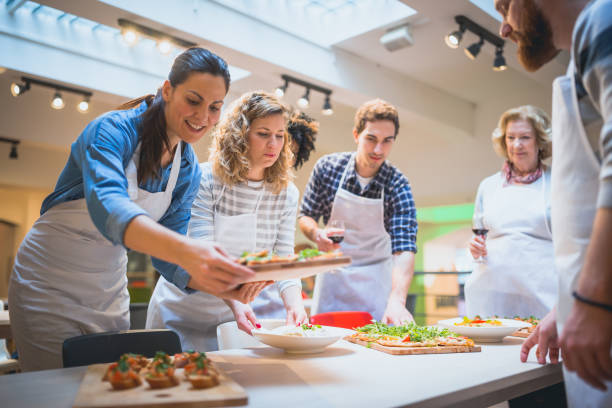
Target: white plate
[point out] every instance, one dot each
(484, 334)
(296, 344)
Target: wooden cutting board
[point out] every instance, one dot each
(296, 270)
(95, 393)
(414, 350)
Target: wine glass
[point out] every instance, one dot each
(335, 231)
(479, 228)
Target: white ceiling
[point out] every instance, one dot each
(448, 104)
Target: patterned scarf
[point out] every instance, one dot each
(513, 178)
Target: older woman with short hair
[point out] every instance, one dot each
(516, 275)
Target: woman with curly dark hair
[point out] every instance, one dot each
(303, 130)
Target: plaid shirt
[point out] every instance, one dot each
(399, 209)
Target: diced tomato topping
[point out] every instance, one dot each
(406, 339)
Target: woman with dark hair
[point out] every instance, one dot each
(129, 182)
(303, 131)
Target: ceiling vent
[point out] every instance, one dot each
(397, 38)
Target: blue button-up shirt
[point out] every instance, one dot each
(399, 210)
(96, 171)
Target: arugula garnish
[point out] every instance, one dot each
(416, 333)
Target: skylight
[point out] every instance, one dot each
(323, 22)
(488, 7)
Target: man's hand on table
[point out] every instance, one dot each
(396, 313)
(545, 336)
(585, 344)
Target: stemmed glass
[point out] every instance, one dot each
(335, 231)
(479, 228)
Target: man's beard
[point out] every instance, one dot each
(535, 40)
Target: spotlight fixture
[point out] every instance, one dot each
(13, 154)
(465, 24)
(327, 108)
(130, 36)
(57, 102)
(164, 46)
(19, 89)
(132, 31)
(499, 63)
(472, 51)
(83, 106)
(453, 39)
(280, 91)
(304, 101)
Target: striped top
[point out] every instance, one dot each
(592, 58)
(276, 214)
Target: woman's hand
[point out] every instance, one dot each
(244, 315)
(478, 247)
(212, 270)
(292, 298)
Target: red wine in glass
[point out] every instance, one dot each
(336, 239)
(335, 231)
(480, 231)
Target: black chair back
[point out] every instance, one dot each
(109, 346)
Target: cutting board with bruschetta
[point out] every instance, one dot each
(95, 393)
(296, 269)
(414, 350)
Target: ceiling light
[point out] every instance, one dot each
(14, 142)
(453, 39)
(499, 64)
(164, 46)
(83, 106)
(327, 108)
(473, 50)
(280, 91)
(18, 89)
(57, 102)
(130, 36)
(304, 101)
(13, 154)
(132, 31)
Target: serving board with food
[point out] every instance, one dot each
(308, 262)
(411, 339)
(187, 380)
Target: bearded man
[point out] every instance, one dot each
(581, 185)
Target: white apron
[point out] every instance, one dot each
(195, 317)
(69, 280)
(366, 283)
(518, 276)
(575, 186)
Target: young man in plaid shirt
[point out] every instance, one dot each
(374, 201)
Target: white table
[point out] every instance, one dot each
(345, 375)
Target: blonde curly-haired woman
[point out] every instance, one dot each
(517, 275)
(246, 202)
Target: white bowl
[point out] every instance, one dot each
(297, 344)
(484, 334)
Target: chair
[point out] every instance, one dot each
(347, 320)
(109, 346)
(229, 336)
